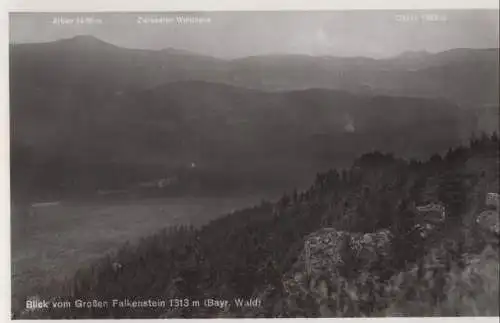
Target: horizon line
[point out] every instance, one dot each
(190, 52)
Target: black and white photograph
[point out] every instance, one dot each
(254, 164)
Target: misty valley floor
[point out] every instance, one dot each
(57, 240)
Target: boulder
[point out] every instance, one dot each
(492, 199)
(325, 250)
(488, 221)
(432, 213)
(317, 280)
(430, 217)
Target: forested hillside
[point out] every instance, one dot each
(233, 135)
(257, 251)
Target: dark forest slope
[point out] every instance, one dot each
(75, 142)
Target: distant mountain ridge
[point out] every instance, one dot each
(453, 74)
(82, 109)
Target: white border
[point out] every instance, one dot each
(230, 5)
(175, 5)
(5, 279)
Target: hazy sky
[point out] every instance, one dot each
(237, 34)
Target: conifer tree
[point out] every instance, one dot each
(452, 192)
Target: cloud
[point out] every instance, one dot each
(349, 124)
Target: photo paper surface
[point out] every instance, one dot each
(254, 164)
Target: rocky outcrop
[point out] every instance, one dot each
(339, 272)
(488, 220)
(430, 217)
(468, 290)
(327, 249)
(432, 212)
(493, 199)
(335, 273)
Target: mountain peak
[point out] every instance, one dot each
(85, 41)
